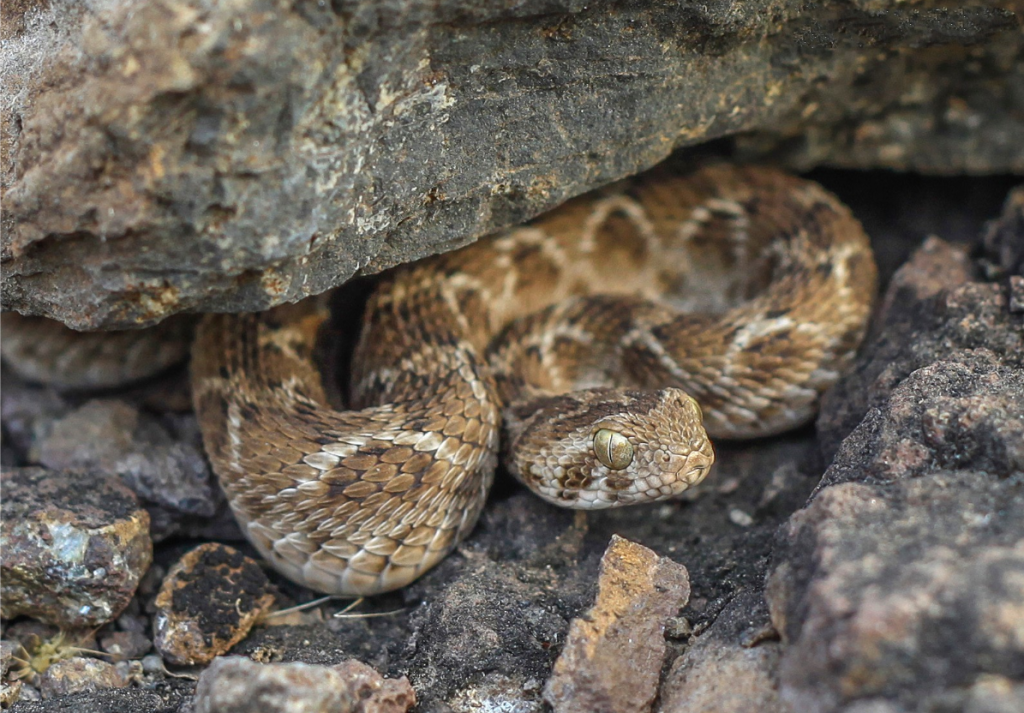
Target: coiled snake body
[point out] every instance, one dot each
(772, 280)
(580, 345)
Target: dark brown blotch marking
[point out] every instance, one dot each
(620, 241)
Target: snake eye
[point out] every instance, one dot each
(612, 449)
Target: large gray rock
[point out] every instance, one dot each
(900, 587)
(189, 155)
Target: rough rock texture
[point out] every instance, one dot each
(167, 470)
(77, 675)
(613, 654)
(908, 593)
(934, 309)
(482, 630)
(75, 546)
(208, 603)
(148, 436)
(237, 685)
(181, 155)
(901, 586)
(730, 667)
(10, 690)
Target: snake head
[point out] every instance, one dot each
(602, 448)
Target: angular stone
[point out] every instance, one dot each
(75, 546)
(234, 684)
(171, 155)
(207, 603)
(613, 654)
(733, 666)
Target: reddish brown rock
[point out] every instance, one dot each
(75, 546)
(374, 693)
(207, 603)
(613, 654)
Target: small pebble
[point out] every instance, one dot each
(29, 693)
(153, 664)
(124, 645)
(234, 684)
(208, 603)
(133, 622)
(10, 691)
(729, 485)
(678, 627)
(7, 651)
(78, 675)
(738, 517)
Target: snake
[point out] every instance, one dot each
(592, 353)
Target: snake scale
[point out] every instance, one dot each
(578, 346)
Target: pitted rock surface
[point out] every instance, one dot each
(207, 603)
(181, 156)
(75, 546)
(899, 587)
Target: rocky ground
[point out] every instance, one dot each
(873, 563)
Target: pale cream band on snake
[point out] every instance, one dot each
(590, 336)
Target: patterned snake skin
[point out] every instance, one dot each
(579, 345)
